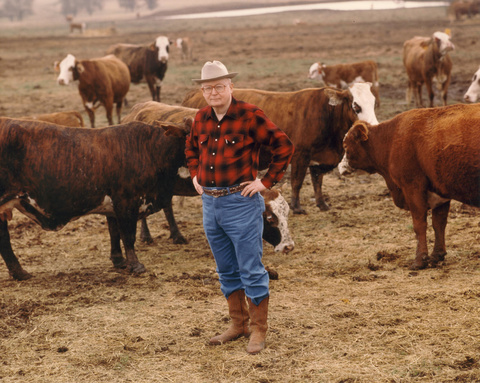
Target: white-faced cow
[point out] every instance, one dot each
(101, 81)
(342, 76)
(145, 61)
(473, 91)
(315, 120)
(69, 118)
(426, 59)
(275, 217)
(427, 158)
(54, 174)
(184, 44)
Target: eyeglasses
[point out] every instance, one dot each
(208, 89)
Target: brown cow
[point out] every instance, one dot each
(426, 58)
(102, 81)
(275, 217)
(342, 76)
(69, 118)
(149, 61)
(315, 120)
(54, 174)
(427, 157)
(460, 8)
(186, 48)
(77, 26)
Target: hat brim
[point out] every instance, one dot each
(200, 81)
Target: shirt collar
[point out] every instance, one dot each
(232, 111)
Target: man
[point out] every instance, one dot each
(222, 153)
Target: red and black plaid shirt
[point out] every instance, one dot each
(225, 153)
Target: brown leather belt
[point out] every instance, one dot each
(223, 192)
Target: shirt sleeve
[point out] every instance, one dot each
(191, 150)
(267, 133)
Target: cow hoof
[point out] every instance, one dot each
(146, 240)
(323, 206)
(119, 262)
(299, 211)
(21, 275)
(137, 268)
(419, 265)
(179, 240)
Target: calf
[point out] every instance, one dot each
(54, 174)
(275, 217)
(70, 118)
(102, 81)
(427, 157)
(77, 26)
(186, 48)
(473, 91)
(342, 76)
(426, 58)
(315, 120)
(149, 62)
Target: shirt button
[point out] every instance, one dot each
(211, 167)
(218, 126)
(213, 182)
(216, 139)
(213, 153)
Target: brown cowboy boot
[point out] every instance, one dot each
(258, 326)
(238, 310)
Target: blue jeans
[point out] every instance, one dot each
(233, 225)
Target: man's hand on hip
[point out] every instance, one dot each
(252, 188)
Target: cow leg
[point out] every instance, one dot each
(444, 91)
(91, 116)
(428, 85)
(158, 88)
(14, 267)
(175, 234)
(151, 86)
(418, 209)
(119, 111)
(115, 250)
(317, 180)
(109, 109)
(127, 217)
(145, 235)
(418, 96)
(439, 223)
(298, 172)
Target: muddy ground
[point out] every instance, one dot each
(345, 307)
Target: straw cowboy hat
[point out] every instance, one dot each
(214, 70)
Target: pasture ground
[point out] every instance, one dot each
(345, 307)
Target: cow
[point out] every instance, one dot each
(342, 76)
(275, 217)
(78, 26)
(101, 81)
(54, 174)
(459, 8)
(186, 48)
(149, 61)
(315, 120)
(68, 118)
(426, 58)
(427, 158)
(473, 91)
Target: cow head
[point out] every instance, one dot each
(162, 44)
(473, 91)
(69, 69)
(314, 72)
(176, 130)
(275, 219)
(443, 42)
(356, 156)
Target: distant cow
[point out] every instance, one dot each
(69, 118)
(342, 76)
(427, 157)
(315, 120)
(186, 48)
(473, 91)
(426, 58)
(54, 174)
(102, 81)
(275, 217)
(77, 26)
(460, 8)
(149, 61)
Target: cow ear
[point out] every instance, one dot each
(152, 46)
(56, 66)
(80, 67)
(360, 130)
(170, 128)
(188, 122)
(424, 44)
(334, 97)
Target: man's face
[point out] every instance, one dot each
(215, 96)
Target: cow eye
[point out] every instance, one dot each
(357, 108)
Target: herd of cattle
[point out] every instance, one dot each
(54, 170)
